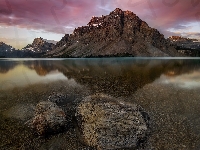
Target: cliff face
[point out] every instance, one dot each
(121, 33)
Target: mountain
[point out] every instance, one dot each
(6, 50)
(121, 33)
(181, 39)
(38, 48)
(186, 46)
(39, 45)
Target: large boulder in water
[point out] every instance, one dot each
(48, 118)
(108, 123)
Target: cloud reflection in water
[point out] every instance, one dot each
(23, 76)
(188, 80)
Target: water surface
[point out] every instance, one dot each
(168, 89)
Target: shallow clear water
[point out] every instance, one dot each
(168, 89)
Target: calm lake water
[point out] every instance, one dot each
(168, 89)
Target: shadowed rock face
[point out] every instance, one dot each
(109, 123)
(121, 33)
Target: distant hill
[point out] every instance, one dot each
(181, 39)
(38, 48)
(121, 33)
(186, 46)
(5, 47)
(7, 50)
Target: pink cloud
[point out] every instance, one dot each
(166, 13)
(46, 14)
(61, 16)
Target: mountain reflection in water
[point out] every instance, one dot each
(118, 77)
(14, 74)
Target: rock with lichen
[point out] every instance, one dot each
(108, 123)
(48, 118)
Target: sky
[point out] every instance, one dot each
(23, 20)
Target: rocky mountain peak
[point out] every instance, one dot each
(122, 13)
(116, 20)
(39, 45)
(118, 33)
(117, 11)
(38, 41)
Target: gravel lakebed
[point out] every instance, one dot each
(173, 120)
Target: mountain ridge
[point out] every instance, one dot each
(38, 48)
(119, 33)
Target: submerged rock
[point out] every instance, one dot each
(21, 112)
(48, 118)
(57, 98)
(108, 123)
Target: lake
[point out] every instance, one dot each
(168, 89)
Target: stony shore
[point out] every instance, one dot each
(171, 128)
